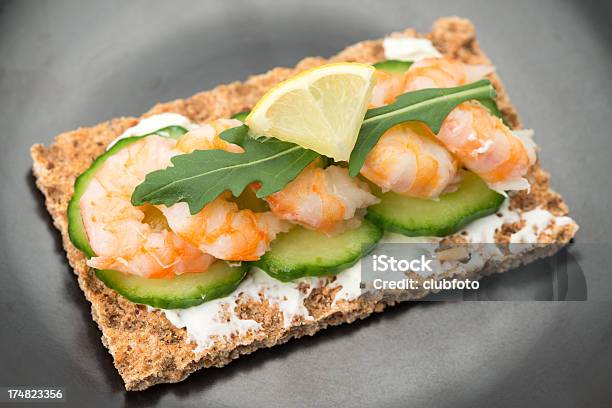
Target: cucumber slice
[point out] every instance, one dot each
(241, 116)
(303, 252)
(181, 292)
(184, 291)
(420, 217)
(393, 66)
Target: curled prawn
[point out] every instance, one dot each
(120, 233)
(427, 73)
(388, 87)
(224, 231)
(487, 147)
(480, 141)
(408, 160)
(220, 228)
(327, 200)
(157, 241)
(206, 137)
(443, 72)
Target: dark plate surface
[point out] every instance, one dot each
(67, 64)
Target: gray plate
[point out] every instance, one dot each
(64, 64)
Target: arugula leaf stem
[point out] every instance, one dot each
(429, 102)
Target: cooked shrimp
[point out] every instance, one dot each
(410, 161)
(388, 86)
(221, 229)
(206, 137)
(487, 147)
(427, 73)
(224, 231)
(118, 232)
(479, 140)
(326, 200)
(443, 73)
(125, 238)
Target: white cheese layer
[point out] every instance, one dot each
(153, 123)
(409, 49)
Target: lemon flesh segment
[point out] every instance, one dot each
(320, 109)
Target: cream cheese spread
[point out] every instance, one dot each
(409, 49)
(153, 123)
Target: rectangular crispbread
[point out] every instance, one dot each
(147, 349)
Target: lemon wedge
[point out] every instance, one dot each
(319, 109)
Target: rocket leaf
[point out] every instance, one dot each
(430, 106)
(200, 177)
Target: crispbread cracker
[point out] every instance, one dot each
(147, 349)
